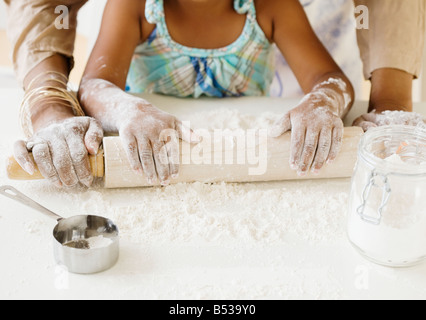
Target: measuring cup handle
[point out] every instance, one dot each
(12, 193)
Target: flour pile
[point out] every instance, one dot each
(252, 213)
(99, 242)
(226, 119)
(268, 213)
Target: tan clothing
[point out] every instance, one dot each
(396, 35)
(395, 38)
(33, 34)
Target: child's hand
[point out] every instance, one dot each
(61, 151)
(150, 136)
(151, 140)
(317, 133)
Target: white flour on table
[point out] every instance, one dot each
(257, 212)
(237, 218)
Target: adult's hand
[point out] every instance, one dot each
(61, 151)
(391, 101)
(376, 119)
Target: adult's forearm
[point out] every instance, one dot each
(391, 90)
(394, 37)
(43, 50)
(35, 35)
(48, 73)
(391, 48)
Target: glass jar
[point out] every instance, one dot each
(387, 207)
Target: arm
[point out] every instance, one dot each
(41, 53)
(316, 123)
(148, 134)
(34, 36)
(392, 52)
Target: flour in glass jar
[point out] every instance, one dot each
(399, 238)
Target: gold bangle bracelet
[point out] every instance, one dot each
(55, 73)
(43, 93)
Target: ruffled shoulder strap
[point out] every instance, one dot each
(244, 6)
(154, 11)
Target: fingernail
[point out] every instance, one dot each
(315, 171)
(29, 167)
(165, 183)
(301, 173)
(293, 166)
(303, 169)
(95, 148)
(88, 181)
(175, 176)
(150, 182)
(330, 161)
(58, 184)
(92, 147)
(139, 171)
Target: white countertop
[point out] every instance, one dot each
(190, 265)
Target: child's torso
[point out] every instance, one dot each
(190, 51)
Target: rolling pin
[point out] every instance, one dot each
(267, 160)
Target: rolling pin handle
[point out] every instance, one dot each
(15, 172)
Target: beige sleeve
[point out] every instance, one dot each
(395, 37)
(33, 32)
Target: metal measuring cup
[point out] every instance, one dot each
(72, 238)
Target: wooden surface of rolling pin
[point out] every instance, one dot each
(15, 172)
(247, 163)
(235, 160)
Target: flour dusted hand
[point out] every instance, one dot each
(378, 119)
(61, 151)
(316, 135)
(150, 136)
(151, 139)
(316, 125)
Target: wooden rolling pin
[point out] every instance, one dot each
(267, 160)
